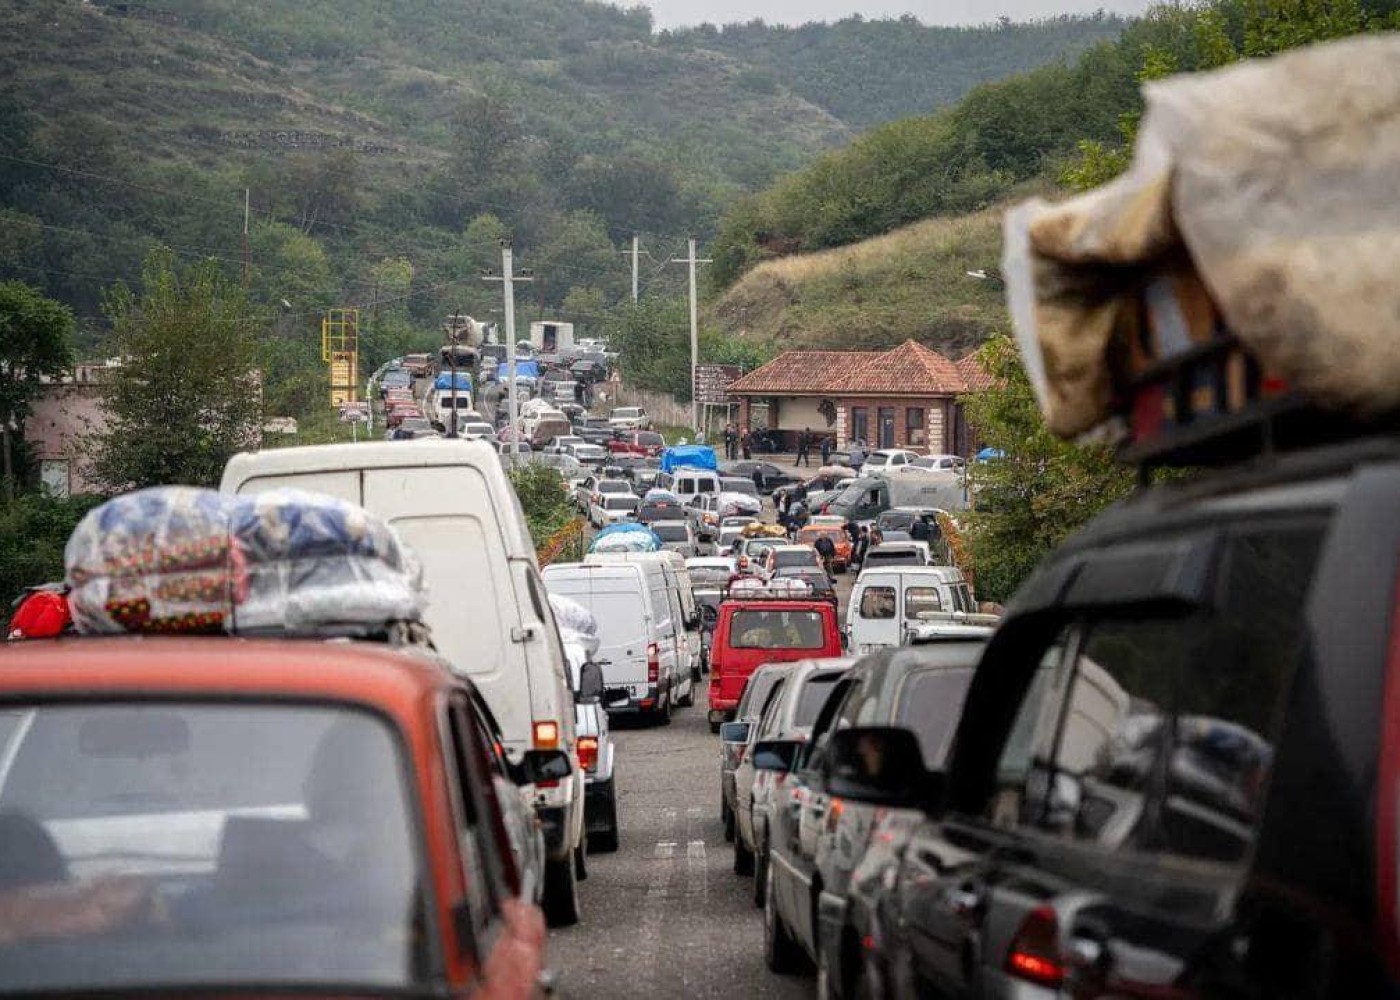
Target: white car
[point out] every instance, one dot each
(677, 536)
(593, 489)
(473, 431)
(629, 418)
(888, 460)
(711, 572)
(956, 463)
(589, 454)
(731, 529)
(613, 508)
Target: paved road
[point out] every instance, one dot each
(666, 915)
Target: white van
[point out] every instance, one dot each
(638, 645)
(487, 607)
(688, 636)
(896, 605)
(688, 483)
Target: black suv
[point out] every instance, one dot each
(1177, 773)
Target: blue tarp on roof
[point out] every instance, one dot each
(444, 381)
(697, 456)
(631, 537)
(523, 369)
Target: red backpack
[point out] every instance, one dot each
(42, 615)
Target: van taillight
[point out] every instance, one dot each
(653, 663)
(546, 735)
(1034, 953)
(1387, 828)
(588, 752)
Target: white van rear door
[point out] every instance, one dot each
(343, 485)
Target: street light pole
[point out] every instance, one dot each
(691, 260)
(508, 278)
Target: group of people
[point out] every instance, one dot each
(741, 441)
(737, 441)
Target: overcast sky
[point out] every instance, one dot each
(672, 13)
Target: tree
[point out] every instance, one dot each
(187, 395)
(36, 341)
(1040, 490)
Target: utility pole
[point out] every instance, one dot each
(247, 198)
(453, 326)
(508, 278)
(635, 253)
(691, 260)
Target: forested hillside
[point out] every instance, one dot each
(1056, 123)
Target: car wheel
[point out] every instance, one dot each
(714, 726)
(605, 841)
(780, 952)
(823, 989)
(689, 698)
(580, 862)
(560, 893)
(743, 857)
(760, 872)
(726, 816)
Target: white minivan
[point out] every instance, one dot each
(488, 610)
(897, 605)
(689, 484)
(638, 647)
(689, 643)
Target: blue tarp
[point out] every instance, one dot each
(523, 369)
(697, 456)
(987, 454)
(444, 381)
(631, 537)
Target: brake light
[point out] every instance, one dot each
(833, 814)
(1034, 953)
(653, 663)
(546, 735)
(588, 752)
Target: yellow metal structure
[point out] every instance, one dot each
(340, 349)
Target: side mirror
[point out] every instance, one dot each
(590, 684)
(734, 732)
(881, 765)
(540, 767)
(775, 755)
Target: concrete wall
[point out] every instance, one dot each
(797, 412)
(662, 407)
(62, 424)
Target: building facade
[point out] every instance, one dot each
(906, 397)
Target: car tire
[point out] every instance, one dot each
(560, 900)
(580, 861)
(714, 727)
(726, 816)
(780, 952)
(606, 841)
(743, 857)
(689, 698)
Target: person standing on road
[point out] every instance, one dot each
(826, 449)
(804, 448)
(826, 548)
(747, 443)
(731, 439)
(782, 505)
(758, 479)
(858, 549)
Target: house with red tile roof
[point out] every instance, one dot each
(906, 397)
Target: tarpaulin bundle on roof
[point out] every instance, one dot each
(444, 381)
(695, 456)
(179, 559)
(630, 537)
(1260, 207)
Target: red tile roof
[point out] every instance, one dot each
(911, 369)
(976, 377)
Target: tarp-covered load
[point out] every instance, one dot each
(576, 623)
(739, 505)
(1260, 203)
(179, 559)
(626, 538)
(695, 456)
(444, 381)
(523, 369)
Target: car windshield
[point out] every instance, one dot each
(649, 439)
(182, 846)
(803, 556)
(893, 520)
(776, 629)
(811, 699)
(671, 532)
(614, 486)
(893, 557)
(930, 702)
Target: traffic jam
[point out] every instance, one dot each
(335, 728)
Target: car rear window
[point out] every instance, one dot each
(275, 842)
(909, 558)
(765, 629)
(649, 439)
(812, 697)
(671, 532)
(795, 557)
(929, 703)
(620, 503)
(613, 486)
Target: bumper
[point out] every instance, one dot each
(649, 702)
(597, 799)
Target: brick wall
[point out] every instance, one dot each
(937, 422)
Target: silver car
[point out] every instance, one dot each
(677, 536)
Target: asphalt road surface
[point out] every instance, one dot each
(666, 916)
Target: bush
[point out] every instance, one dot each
(543, 499)
(33, 532)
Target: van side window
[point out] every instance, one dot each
(877, 602)
(918, 599)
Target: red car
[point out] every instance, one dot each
(260, 817)
(648, 443)
(752, 631)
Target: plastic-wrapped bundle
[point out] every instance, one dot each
(316, 561)
(576, 623)
(626, 538)
(178, 559)
(739, 505)
(157, 560)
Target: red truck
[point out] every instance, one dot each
(648, 443)
(759, 629)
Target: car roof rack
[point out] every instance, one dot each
(1212, 404)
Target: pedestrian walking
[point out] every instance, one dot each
(826, 548)
(731, 441)
(797, 517)
(804, 448)
(826, 449)
(782, 504)
(860, 547)
(746, 442)
(758, 479)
